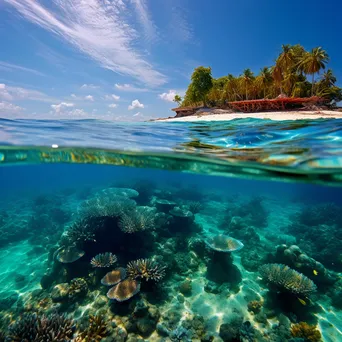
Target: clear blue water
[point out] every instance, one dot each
(161, 191)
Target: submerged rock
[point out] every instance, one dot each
(186, 287)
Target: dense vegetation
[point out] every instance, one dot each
(296, 73)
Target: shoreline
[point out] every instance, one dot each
(222, 115)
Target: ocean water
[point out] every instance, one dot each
(225, 231)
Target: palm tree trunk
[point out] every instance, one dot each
(264, 92)
(313, 83)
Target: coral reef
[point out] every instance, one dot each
(65, 292)
(80, 232)
(95, 332)
(140, 219)
(146, 269)
(194, 206)
(114, 277)
(124, 290)
(230, 331)
(105, 204)
(318, 232)
(41, 328)
(306, 332)
(69, 254)
(211, 290)
(294, 257)
(287, 279)
(223, 243)
(103, 260)
(254, 306)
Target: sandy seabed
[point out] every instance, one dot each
(293, 115)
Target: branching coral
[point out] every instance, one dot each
(105, 205)
(78, 288)
(254, 306)
(95, 332)
(80, 232)
(195, 207)
(103, 260)
(138, 220)
(146, 269)
(36, 328)
(287, 279)
(306, 332)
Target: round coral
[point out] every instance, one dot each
(306, 331)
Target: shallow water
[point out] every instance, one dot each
(165, 192)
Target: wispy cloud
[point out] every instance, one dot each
(89, 86)
(145, 20)
(129, 87)
(180, 27)
(112, 105)
(135, 104)
(13, 67)
(89, 98)
(112, 97)
(9, 93)
(100, 29)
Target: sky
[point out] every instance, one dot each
(125, 60)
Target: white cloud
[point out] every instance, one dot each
(9, 108)
(73, 96)
(129, 87)
(168, 96)
(102, 30)
(11, 67)
(113, 105)
(59, 108)
(89, 98)
(89, 86)
(112, 97)
(78, 112)
(135, 104)
(145, 19)
(9, 93)
(137, 114)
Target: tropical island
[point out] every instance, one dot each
(298, 80)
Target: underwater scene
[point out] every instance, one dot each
(214, 233)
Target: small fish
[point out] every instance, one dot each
(302, 301)
(315, 272)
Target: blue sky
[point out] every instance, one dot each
(125, 59)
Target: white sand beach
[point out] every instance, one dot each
(222, 115)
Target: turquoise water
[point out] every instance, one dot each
(226, 231)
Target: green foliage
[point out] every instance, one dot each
(287, 75)
(201, 83)
(177, 99)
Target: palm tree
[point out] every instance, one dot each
(177, 99)
(328, 78)
(289, 82)
(277, 77)
(286, 59)
(313, 62)
(247, 79)
(264, 79)
(232, 88)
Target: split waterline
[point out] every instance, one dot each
(171, 232)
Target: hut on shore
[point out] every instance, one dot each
(278, 104)
(185, 111)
